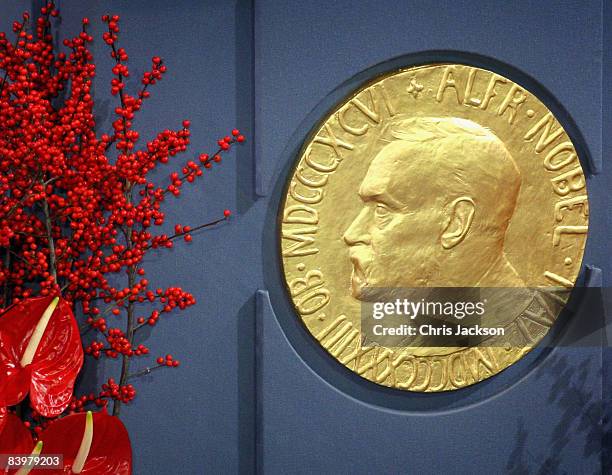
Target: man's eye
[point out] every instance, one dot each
(381, 211)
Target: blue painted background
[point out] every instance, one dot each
(253, 391)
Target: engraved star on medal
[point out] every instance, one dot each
(414, 87)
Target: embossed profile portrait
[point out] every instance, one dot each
(437, 198)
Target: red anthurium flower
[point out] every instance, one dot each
(15, 439)
(93, 444)
(40, 353)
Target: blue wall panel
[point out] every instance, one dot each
(314, 414)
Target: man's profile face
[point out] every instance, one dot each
(395, 239)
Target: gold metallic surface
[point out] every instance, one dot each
(441, 175)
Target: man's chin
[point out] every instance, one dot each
(357, 286)
(360, 290)
(369, 292)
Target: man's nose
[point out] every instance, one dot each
(357, 233)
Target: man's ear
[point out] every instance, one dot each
(461, 212)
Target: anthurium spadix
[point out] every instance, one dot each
(40, 354)
(91, 444)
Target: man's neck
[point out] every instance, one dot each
(500, 274)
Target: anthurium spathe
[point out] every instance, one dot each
(15, 439)
(3, 414)
(91, 444)
(40, 354)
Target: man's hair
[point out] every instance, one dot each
(469, 160)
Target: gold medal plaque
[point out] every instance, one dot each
(442, 175)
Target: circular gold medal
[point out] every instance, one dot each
(437, 176)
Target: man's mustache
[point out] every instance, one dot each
(360, 263)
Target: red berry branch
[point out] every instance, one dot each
(79, 208)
